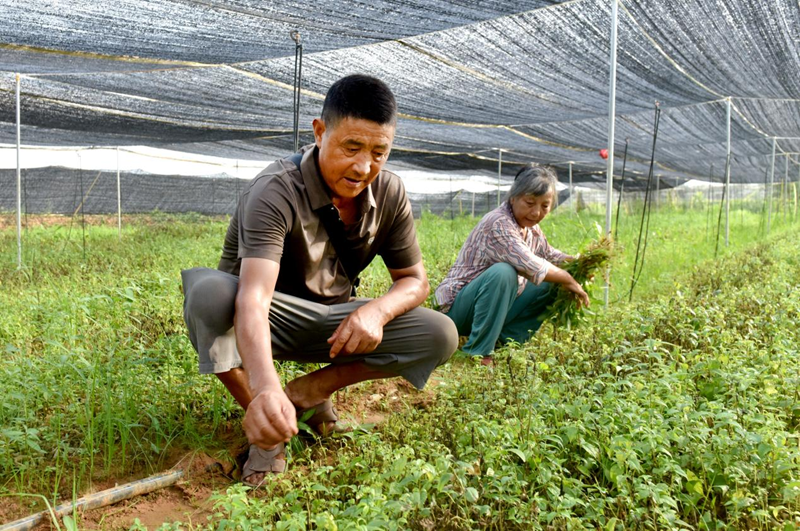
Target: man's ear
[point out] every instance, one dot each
(319, 130)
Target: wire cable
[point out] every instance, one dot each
(621, 189)
(645, 212)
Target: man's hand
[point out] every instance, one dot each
(360, 332)
(270, 419)
(580, 294)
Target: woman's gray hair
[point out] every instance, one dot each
(535, 180)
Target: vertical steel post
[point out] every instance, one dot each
(499, 172)
(572, 202)
(119, 202)
(298, 70)
(728, 174)
(612, 96)
(769, 186)
(785, 190)
(658, 188)
(19, 184)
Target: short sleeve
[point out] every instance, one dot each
(400, 249)
(266, 217)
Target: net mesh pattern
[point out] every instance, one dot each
(471, 78)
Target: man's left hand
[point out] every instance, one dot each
(359, 333)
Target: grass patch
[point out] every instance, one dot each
(679, 410)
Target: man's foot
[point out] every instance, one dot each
(261, 462)
(304, 398)
(323, 419)
(316, 388)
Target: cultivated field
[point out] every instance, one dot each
(679, 410)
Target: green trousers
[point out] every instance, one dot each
(488, 309)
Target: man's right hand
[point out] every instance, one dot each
(270, 419)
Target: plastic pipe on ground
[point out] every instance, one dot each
(98, 499)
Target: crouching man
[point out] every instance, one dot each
(303, 230)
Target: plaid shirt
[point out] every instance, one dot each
(499, 238)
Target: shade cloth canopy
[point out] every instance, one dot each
(471, 78)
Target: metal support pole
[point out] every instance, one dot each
(19, 185)
(658, 189)
(298, 69)
(572, 201)
(612, 95)
(473, 204)
(769, 186)
(785, 190)
(499, 172)
(728, 175)
(119, 202)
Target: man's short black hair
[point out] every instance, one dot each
(362, 97)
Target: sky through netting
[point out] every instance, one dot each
(471, 78)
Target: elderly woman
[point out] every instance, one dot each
(500, 283)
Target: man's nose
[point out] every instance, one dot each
(361, 165)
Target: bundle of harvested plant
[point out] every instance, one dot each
(565, 311)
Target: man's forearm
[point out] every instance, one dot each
(255, 348)
(404, 295)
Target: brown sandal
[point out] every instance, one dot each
(323, 413)
(267, 461)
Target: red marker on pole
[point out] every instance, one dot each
(604, 154)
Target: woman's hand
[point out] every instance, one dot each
(578, 292)
(559, 276)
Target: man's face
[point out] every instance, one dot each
(352, 153)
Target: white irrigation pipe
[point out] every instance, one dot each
(19, 186)
(612, 96)
(99, 499)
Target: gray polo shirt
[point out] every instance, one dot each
(276, 219)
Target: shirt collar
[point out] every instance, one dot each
(510, 213)
(318, 193)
